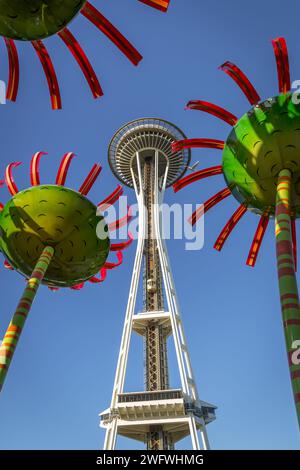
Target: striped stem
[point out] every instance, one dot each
(17, 323)
(287, 280)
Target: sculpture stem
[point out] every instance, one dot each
(17, 323)
(288, 289)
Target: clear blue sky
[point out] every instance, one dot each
(62, 373)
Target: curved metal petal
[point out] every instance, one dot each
(111, 199)
(231, 224)
(209, 204)
(123, 245)
(113, 226)
(102, 23)
(96, 280)
(64, 168)
(109, 265)
(196, 176)
(161, 5)
(78, 286)
(14, 70)
(257, 240)
(49, 70)
(213, 109)
(9, 180)
(90, 179)
(198, 143)
(7, 265)
(283, 67)
(82, 60)
(35, 168)
(242, 81)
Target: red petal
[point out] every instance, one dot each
(63, 168)
(10, 183)
(34, 168)
(213, 109)
(282, 61)
(7, 265)
(122, 245)
(231, 224)
(113, 226)
(209, 204)
(111, 199)
(196, 176)
(109, 265)
(257, 240)
(14, 70)
(96, 280)
(78, 286)
(197, 143)
(161, 5)
(90, 179)
(102, 23)
(242, 80)
(82, 61)
(49, 72)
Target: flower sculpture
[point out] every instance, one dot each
(261, 168)
(50, 235)
(35, 20)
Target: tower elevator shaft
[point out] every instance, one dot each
(159, 415)
(156, 360)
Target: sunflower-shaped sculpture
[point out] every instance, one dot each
(54, 235)
(261, 168)
(35, 20)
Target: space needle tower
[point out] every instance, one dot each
(141, 157)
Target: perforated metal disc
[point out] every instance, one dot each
(59, 217)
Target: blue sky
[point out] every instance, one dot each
(62, 374)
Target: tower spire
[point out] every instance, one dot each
(141, 156)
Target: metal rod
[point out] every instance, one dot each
(17, 323)
(287, 280)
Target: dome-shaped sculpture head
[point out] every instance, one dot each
(30, 20)
(262, 143)
(50, 215)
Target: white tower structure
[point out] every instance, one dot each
(141, 157)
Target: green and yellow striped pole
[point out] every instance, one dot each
(17, 323)
(287, 280)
